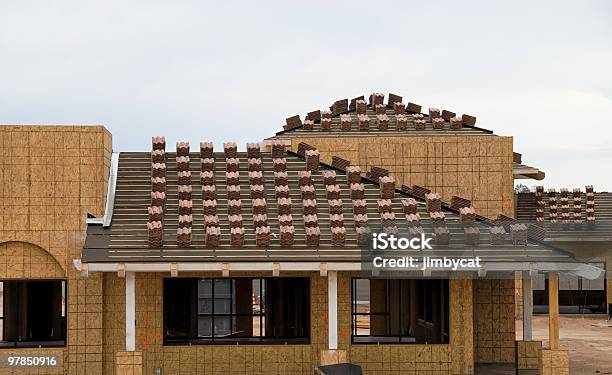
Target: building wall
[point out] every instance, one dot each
(453, 358)
(50, 178)
(478, 168)
(494, 321)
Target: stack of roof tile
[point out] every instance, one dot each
(518, 234)
(387, 187)
(590, 204)
(360, 107)
(565, 214)
(401, 122)
(185, 219)
(399, 108)
(434, 202)
(312, 160)
(376, 98)
(577, 203)
(498, 235)
(552, 205)
(345, 122)
(383, 121)
(158, 191)
(456, 123)
(364, 122)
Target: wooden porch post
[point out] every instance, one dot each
(527, 307)
(553, 310)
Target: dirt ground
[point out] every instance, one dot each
(588, 339)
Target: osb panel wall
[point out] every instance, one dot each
(21, 260)
(205, 359)
(475, 167)
(495, 330)
(50, 178)
(277, 359)
(453, 358)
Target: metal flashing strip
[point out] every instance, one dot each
(105, 221)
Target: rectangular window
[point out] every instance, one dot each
(33, 313)
(399, 311)
(244, 310)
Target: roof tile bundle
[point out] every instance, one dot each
(230, 149)
(262, 236)
(441, 235)
(206, 150)
(155, 230)
(313, 236)
(281, 178)
(280, 164)
(447, 115)
(232, 164)
(434, 113)
(401, 122)
(353, 174)
(564, 200)
(399, 108)
(364, 122)
(310, 206)
(310, 220)
(314, 115)
(305, 178)
(393, 98)
(284, 205)
(332, 192)
(254, 164)
(232, 178)
(257, 191)
(419, 124)
(211, 220)
(434, 202)
(185, 221)
(360, 107)
(469, 120)
(459, 202)
(420, 191)
(235, 220)
(338, 236)
(158, 198)
(156, 213)
(158, 169)
(234, 207)
(467, 214)
(360, 206)
(260, 220)
(438, 123)
(437, 217)
(281, 191)
(285, 219)
(207, 178)
(413, 108)
(376, 173)
(183, 237)
(387, 219)
(312, 160)
(184, 178)
(326, 115)
(415, 231)
(345, 122)
(208, 192)
(552, 205)
(287, 235)
(335, 206)
(339, 106)
(384, 205)
(518, 234)
(209, 206)
(353, 102)
(357, 191)
(577, 203)
(387, 187)
(182, 149)
(236, 236)
(456, 123)
(308, 124)
(213, 236)
(184, 192)
(185, 206)
(158, 191)
(329, 177)
(364, 234)
(278, 149)
(590, 204)
(360, 220)
(233, 192)
(259, 206)
(472, 235)
(308, 192)
(326, 124)
(256, 178)
(207, 164)
(413, 218)
(409, 206)
(336, 220)
(498, 235)
(380, 109)
(376, 98)
(383, 121)
(293, 122)
(340, 163)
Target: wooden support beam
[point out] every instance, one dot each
(332, 309)
(130, 312)
(527, 307)
(553, 310)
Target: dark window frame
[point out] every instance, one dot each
(421, 315)
(263, 315)
(63, 317)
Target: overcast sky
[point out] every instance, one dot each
(220, 71)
